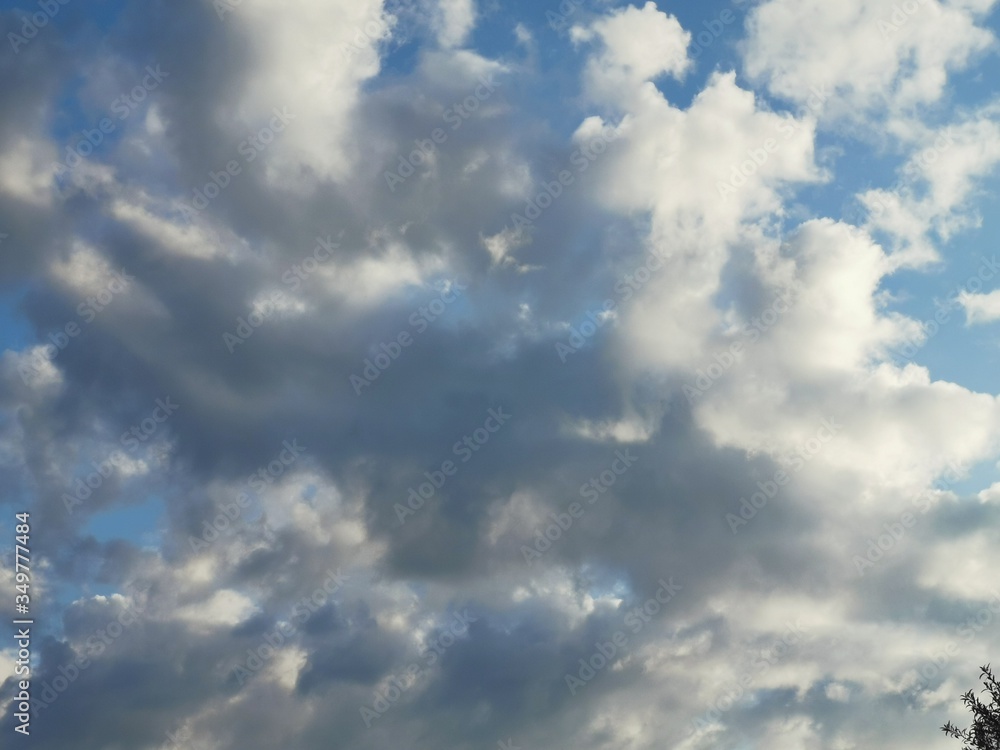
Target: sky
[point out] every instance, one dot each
(473, 374)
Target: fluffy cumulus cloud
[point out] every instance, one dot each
(981, 308)
(499, 375)
(866, 55)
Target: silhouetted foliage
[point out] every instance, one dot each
(984, 734)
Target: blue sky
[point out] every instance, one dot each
(742, 425)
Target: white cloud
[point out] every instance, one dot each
(224, 608)
(734, 160)
(931, 201)
(709, 198)
(980, 308)
(458, 18)
(311, 57)
(26, 170)
(639, 44)
(868, 53)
